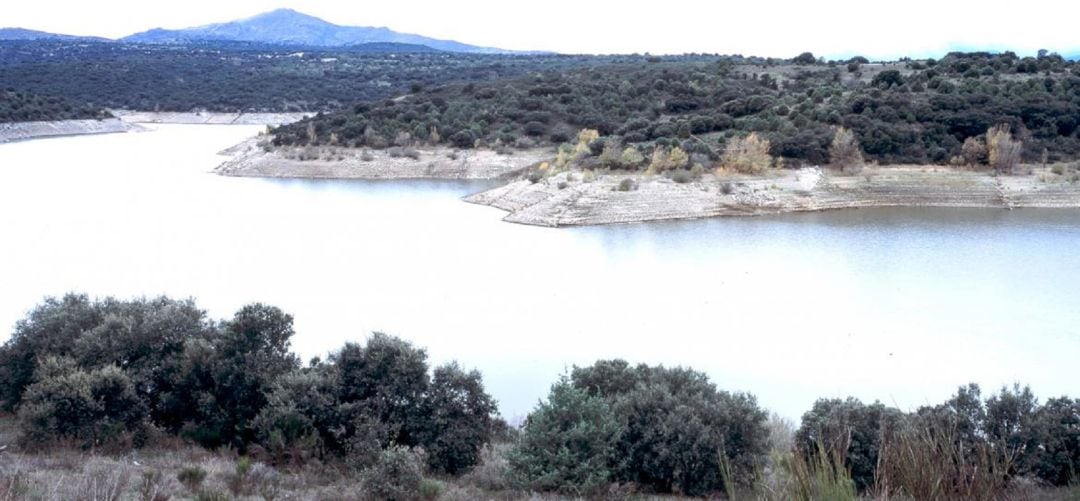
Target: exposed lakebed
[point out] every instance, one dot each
(895, 304)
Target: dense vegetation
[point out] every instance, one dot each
(114, 375)
(231, 76)
(908, 112)
(905, 112)
(25, 107)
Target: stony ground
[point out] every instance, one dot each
(250, 159)
(572, 199)
(21, 131)
(208, 118)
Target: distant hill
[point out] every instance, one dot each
(289, 27)
(25, 34)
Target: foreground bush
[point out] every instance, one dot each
(668, 430)
(94, 372)
(568, 444)
(90, 408)
(968, 447)
(850, 429)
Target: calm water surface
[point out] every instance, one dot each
(897, 305)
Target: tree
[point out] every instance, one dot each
(1003, 152)
(805, 58)
(844, 152)
(459, 420)
(1057, 424)
(748, 155)
(228, 378)
(387, 380)
(974, 151)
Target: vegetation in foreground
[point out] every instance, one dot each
(148, 399)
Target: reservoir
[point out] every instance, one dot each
(896, 305)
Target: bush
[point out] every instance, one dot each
(191, 477)
(679, 430)
(463, 139)
(627, 184)
(396, 476)
(681, 176)
(850, 430)
(568, 443)
(92, 408)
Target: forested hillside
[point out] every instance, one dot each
(907, 112)
(232, 76)
(25, 107)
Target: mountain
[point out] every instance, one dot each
(25, 34)
(289, 27)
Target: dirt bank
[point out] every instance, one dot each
(22, 131)
(252, 160)
(208, 118)
(567, 199)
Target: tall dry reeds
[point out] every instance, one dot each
(931, 463)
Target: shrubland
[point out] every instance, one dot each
(150, 399)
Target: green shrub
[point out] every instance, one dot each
(51, 329)
(849, 430)
(627, 184)
(93, 408)
(430, 489)
(396, 476)
(568, 443)
(677, 426)
(681, 176)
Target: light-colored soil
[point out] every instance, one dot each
(22, 131)
(208, 118)
(252, 160)
(567, 200)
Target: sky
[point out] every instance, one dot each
(831, 28)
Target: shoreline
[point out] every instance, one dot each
(250, 159)
(131, 121)
(575, 199)
(567, 200)
(11, 132)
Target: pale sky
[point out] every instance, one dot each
(767, 28)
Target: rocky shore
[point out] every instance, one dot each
(128, 121)
(251, 159)
(567, 199)
(22, 131)
(208, 118)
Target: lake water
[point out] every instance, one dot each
(896, 305)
